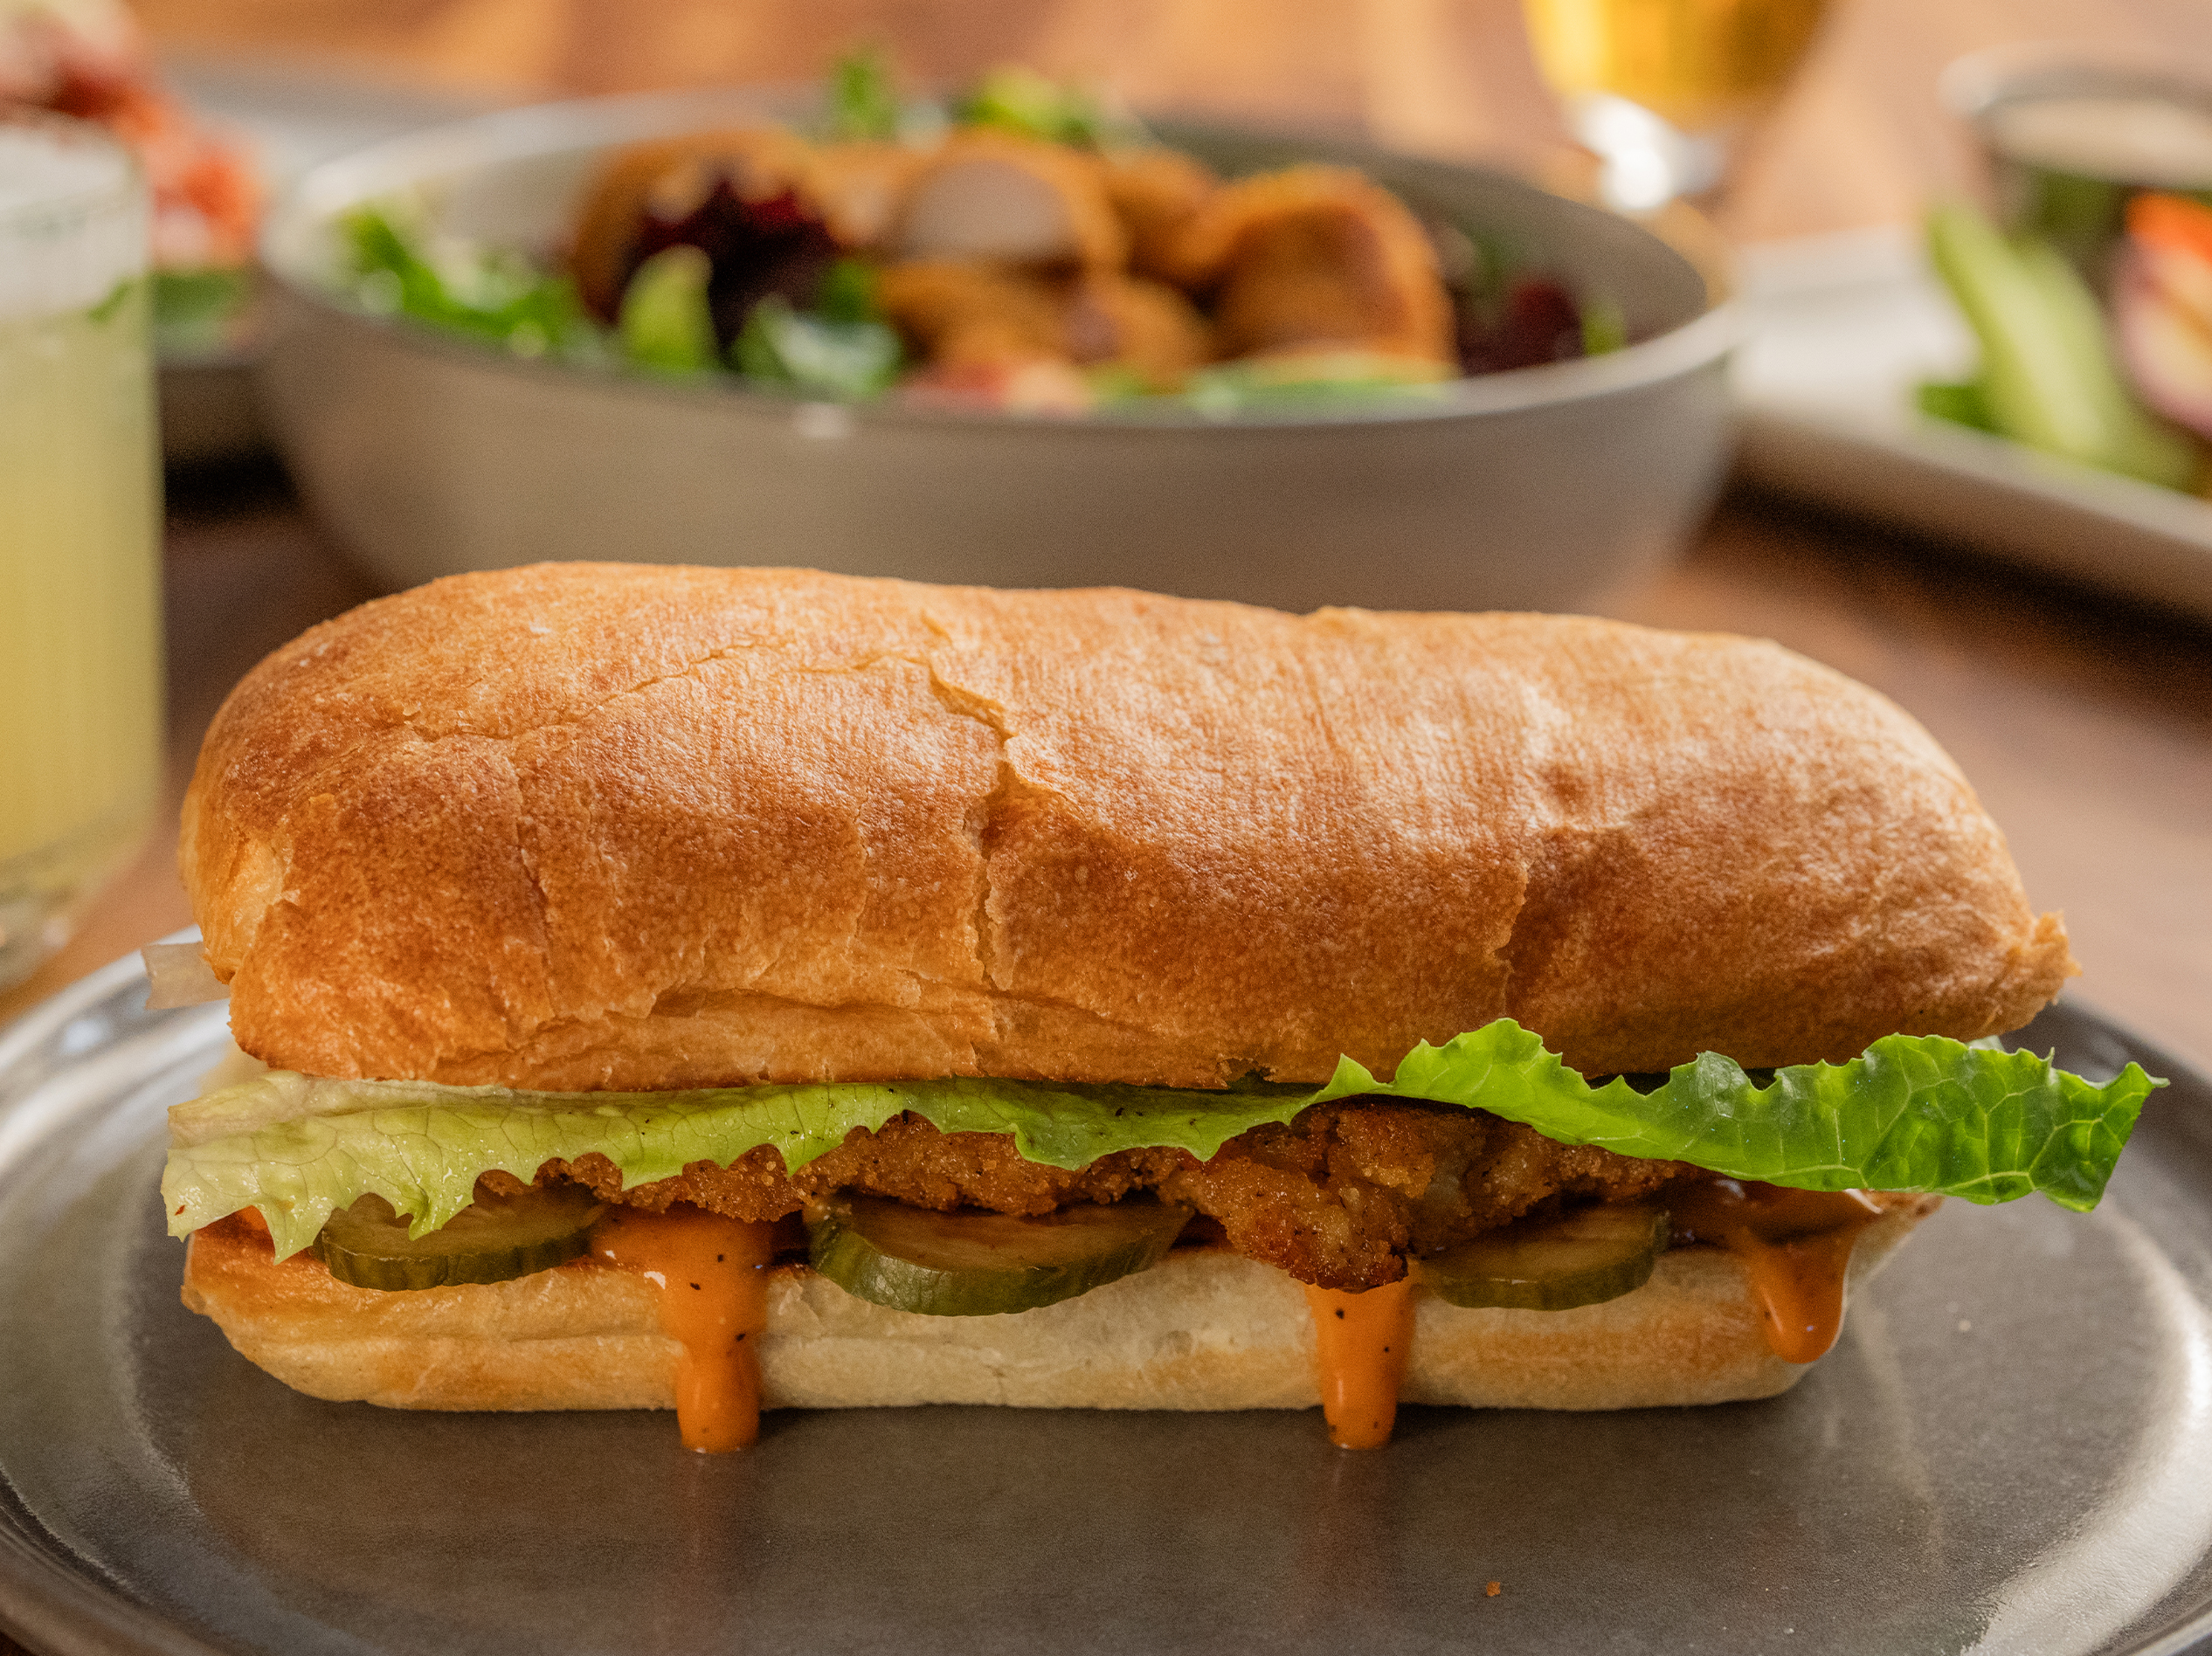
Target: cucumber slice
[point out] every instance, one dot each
(493, 1239)
(1592, 1254)
(972, 1264)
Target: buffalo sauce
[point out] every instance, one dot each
(713, 1277)
(1795, 1246)
(1360, 1343)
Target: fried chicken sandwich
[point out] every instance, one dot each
(739, 988)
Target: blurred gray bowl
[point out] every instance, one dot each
(1537, 489)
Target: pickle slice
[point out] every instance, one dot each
(492, 1239)
(1582, 1258)
(973, 1264)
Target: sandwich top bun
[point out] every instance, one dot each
(579, 827)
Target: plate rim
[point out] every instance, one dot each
(45, 1604)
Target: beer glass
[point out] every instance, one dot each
(1665, 91)
(80, 643)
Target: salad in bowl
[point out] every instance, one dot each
(1012, 339)
(1024, 246)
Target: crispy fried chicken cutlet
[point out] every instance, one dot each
(1338, 1198)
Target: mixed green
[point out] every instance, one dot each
(1026, 246)
(1910, 1113)
(200, 312)
(495, 296)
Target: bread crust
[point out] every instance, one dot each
(1206, 1329)
(580, 826)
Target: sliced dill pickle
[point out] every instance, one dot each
(973, 1264)
(492, 1239)
(1580, 1258)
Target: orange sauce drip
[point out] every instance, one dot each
(713, 1277)
(1795, 1246)
(1360, 1342)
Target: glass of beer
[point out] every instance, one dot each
(1665, 91)
(80, 640)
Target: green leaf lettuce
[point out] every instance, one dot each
(1910, 1113)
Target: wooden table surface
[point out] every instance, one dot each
(2086, 723)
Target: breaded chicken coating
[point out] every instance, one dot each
(1316, 258)
(1340, 1198)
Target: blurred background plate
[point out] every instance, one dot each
(2010, 1451)
(1841, 328)
(292, 117)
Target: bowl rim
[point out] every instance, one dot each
(451, 149)
(1972, 87)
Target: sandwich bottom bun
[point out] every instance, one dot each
(1205, 1329)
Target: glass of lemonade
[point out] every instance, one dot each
(80, 640)
(1665, 91)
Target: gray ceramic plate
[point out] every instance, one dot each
(2010, 1451)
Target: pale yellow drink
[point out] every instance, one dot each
(80, 648)
(1702, 64)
